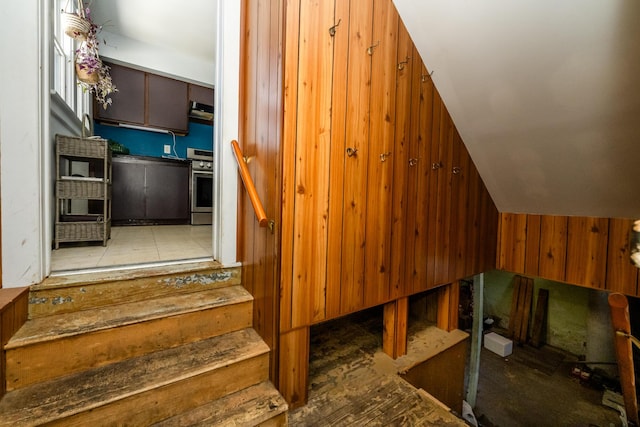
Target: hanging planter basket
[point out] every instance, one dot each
(75, 26)
(85, 76)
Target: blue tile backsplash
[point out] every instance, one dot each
(144, 143)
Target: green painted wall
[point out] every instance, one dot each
(567, 311)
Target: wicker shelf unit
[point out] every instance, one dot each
(93, 223)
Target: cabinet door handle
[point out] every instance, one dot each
(351, 151)
(413, 162)
(385, 156)
(456, 170)
(436, 165)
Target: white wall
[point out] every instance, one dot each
(22, 126)
(147, 57)
(26, 150)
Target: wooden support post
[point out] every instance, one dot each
(540, 318)
(293, 376)
(448, 302)
(476, 338)
(394, 333)
(624, 352)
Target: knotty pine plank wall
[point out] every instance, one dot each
(259, 138)
(585, 251)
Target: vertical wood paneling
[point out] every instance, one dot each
(532, 249)
(394, 332)
(356, 167)
(587, 244)
(486, 254)
(553, 247)
(434, 176)
(382, 136)
(443, 221)
(338, 149)
(415, 169)
(423, 143)
(260, 132)
(294, 366)
(401, 166)
(312, 163)
(289, 137)
(513, 242)
(459, 213)
(622, 275)
(260, 167)
(473, 223)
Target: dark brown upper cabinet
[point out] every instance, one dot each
(146, 99)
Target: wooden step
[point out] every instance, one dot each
(258, 405)
(66, 294)
(49, 347)
(145, 389)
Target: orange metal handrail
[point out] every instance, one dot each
(261, 216)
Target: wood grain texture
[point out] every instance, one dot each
(294, 366)
(13, 314)
(421, 279)
(338, 150)
(381, 152)
(401, 166)
(289, 140)
(313, 145)
(622, 275)
(513, 242)
(532, 249)
(444, 195)
(394, 328)
(460, 211)
(587, 244)
(553, 247)
(356, 167)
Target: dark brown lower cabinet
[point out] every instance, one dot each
(150, 191)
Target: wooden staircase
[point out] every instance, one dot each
(148, 348)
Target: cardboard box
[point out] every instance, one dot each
(498, 344)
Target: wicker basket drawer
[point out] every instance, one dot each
(82, 147)
(78, 189)
(83, 231)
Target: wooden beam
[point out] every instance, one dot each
(394, 333)
(293, 373)
(448, 302)
(624, 352)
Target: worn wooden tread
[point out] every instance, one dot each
(60, 398)
(119, 273)
(249, 407)
(69, 324)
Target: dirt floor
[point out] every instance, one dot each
(535, 387)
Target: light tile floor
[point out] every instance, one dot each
(131, 245)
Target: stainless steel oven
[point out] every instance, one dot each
(201, 186)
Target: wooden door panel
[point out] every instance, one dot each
(401, 164)
(312, 163)
(355, 166)
(381, 152)
(587, 246)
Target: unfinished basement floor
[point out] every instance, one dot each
(352, 383)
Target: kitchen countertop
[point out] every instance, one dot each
(133, 157)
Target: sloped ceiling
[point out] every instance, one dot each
(546, 96)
